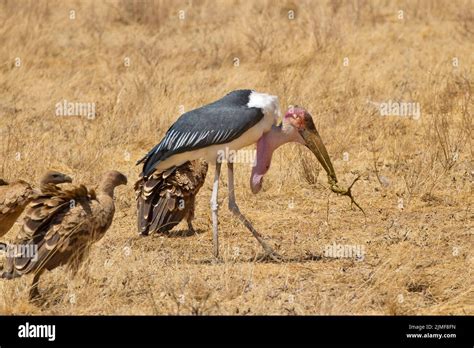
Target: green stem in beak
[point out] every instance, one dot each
(347, 192)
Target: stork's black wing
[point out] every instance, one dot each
(216, 123)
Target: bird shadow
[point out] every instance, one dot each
(172, 234)
(184, 233)
(261, 258)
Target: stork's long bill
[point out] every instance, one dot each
(314, 143)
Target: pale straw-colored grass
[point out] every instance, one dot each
(418, 260)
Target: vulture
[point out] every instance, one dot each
(14, 197)
(166, 198)
(60, 226)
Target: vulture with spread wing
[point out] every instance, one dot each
(14, 197)
(166, 198)
(59, 228)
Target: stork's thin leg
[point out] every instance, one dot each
(233, 207)
(214, 208)
(34, 293)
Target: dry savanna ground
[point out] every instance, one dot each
(141, 63)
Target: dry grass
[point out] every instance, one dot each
(418, 258)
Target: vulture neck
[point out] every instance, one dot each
(107, 188)
(46, 185)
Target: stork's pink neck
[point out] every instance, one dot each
(266, 145)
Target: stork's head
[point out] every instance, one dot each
(302, 120)
(299, 118)
(297, 126)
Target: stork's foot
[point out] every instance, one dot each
(270, 255)
(217, 261)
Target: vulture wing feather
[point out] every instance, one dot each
(164, 199)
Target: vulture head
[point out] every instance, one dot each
(113, 179)
(52, 177)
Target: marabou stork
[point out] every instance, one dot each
(239, 119)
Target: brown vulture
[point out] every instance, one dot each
(59, 228)
(166, 198)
